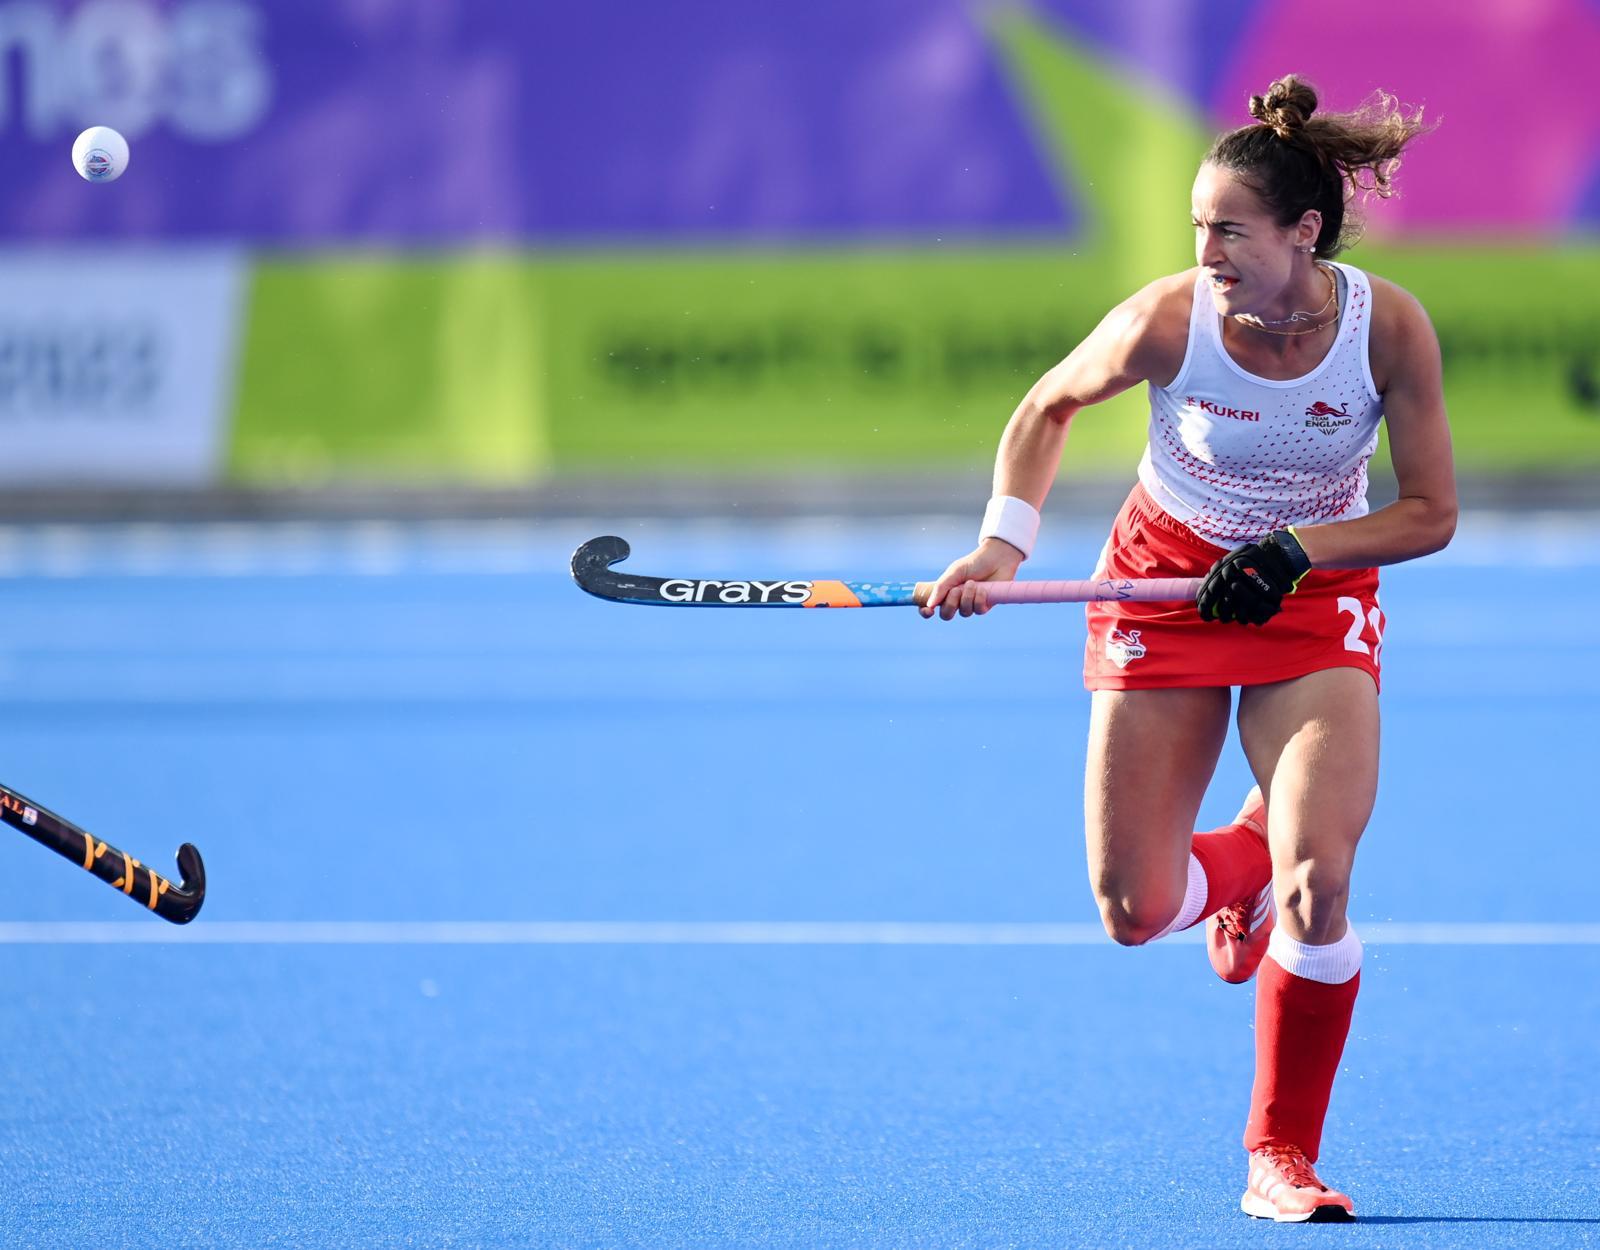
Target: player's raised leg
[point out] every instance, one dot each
(1313, 743)
(1151, 756)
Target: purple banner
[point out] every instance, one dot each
(325, 122)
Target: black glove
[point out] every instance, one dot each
(1248, 584)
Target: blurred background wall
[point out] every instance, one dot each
(495, 246)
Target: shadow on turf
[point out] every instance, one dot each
(1476, 1219)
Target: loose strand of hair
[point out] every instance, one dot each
(1365, 144)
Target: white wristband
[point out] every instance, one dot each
(1014, 520)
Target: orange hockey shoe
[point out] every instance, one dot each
(1236, 936)
(1284, 1187)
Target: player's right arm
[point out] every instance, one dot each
(1142, 338)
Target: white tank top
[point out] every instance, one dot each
(1235, 456)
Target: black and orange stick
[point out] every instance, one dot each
(177, 903)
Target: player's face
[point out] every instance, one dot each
(1247, 257)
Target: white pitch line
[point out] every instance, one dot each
(711, 933)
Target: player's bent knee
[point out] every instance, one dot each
(1133, 922)
(1316, 895)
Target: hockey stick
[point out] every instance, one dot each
(591, 569)
(179, 904)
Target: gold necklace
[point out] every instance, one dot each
(1255, 323)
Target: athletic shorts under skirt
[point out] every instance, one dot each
(1331, 621)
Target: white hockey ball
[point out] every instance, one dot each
(100, 154)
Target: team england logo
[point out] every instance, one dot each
(1326, 419)
(1122, 649)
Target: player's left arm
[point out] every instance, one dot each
(1407, 371)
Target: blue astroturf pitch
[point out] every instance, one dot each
(539, 921)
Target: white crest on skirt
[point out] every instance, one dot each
(1122, 649)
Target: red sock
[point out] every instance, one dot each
(1236, 864)
(1301, 1027)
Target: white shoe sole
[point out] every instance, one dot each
(1261, 1209)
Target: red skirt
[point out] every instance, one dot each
(1331, 621)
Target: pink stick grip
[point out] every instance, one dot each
(1144, 590)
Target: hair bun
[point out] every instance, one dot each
(1286, 107)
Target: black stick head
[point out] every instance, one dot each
(591, 561)
(591, 569)
(181, 903)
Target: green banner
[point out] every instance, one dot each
(496, 371)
